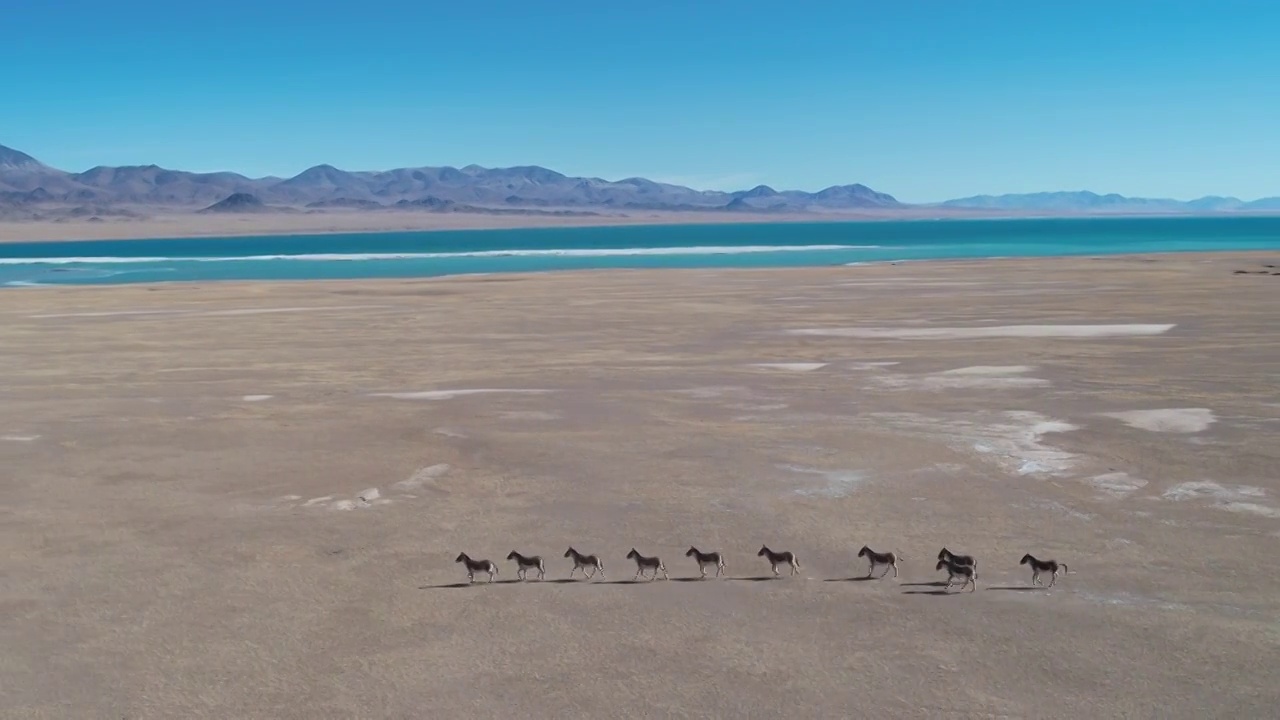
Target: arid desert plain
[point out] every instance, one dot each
(244, 500)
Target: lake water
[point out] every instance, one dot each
(426, 254)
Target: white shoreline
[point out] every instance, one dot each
(1242, 254)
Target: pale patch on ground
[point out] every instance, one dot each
(423, 476)
(912, 282)
(707, 393)
(19, 438)
(205, 313)
(450, 433)
(1128, 599)
(984, 377)
(450, 394)
(795, 419)
(112, 313)
(256, 398)
(991, 331)
(1011, 439)
(1057, 507)
(267, 311)
(1117, 484)
(792, 366)
(1235, 498)
(990, 370)
(1171, 420)
(873, 365)
(836, 483)
(362, 501)
(528, 415)
(755, 406)
(1252, 508)
(944, 468)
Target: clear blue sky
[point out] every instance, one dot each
(924, 99)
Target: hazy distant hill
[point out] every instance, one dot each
(154, 185)
(763, 197)
(1272, 203)
(1085, 201)
(28, 188)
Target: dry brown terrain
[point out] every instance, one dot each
(166, 223)
(244, 500)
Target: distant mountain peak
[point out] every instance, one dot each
(760, 191)
(856, 194)
(324, 170)
(321, 177)
(11, 159)
(236, 202)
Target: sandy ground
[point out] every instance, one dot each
(165, 223)
(244, 500)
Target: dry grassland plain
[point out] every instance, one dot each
(160, 222)
(239, 500)
(163, 223)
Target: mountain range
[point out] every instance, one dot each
(1085, 201)
(25, 181)
(30, 189)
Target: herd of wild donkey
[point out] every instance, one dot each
(963, 567)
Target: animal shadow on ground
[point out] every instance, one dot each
(759, 578)
(859, 578)
(449, 586)
(466, 584)
(942, 592)
(1017, 588)
(692, 579)
(624, 582)
(936, 583)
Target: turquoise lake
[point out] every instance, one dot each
(427, 254)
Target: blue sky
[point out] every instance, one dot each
(926, 100)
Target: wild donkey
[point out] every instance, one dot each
(945, 554)
(1043, 566)
(954, 571)
(475, 566)
(525, 564)
(582, 562)
(889, 560)
(652, 564)
(706, 560)
(778, 558)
